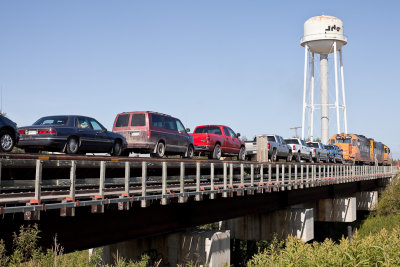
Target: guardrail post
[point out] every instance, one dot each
(125, 205)
(35, 215)
(182, 198)
(283, 177)
(319, 174)
(261, 173)
(198, 196)
(277, 176)
(290, 176)
(301, 176)
(212, 195)
(144, 203)
(231, 174)
(269, 173)
(295, 176)
(72, 180)
(99, 208)
(164, 200)
(224, 194)
(307, 177)
(240, 190)
(252, 175)
(313, 175)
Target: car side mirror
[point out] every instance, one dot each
(104, 130)
(238, 134)
(187, 130)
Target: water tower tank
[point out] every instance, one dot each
(321, 31)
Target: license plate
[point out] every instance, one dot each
(135, 134)
(31, 132)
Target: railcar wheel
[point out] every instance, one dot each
(6, 141)
(72, 145)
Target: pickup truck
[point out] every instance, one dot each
(277, 148)
(218, 140)
(300, 149)
(319, 153)
(335, 154)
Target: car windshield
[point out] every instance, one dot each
(292, 141)
(208, 129)
(312, 145)
(54, 120)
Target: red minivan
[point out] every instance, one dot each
(155, 133)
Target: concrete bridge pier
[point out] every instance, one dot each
(201, 247)
(367, 200)
(292, 221)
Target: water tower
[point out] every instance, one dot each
(323, 35)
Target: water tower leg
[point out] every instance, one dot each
(343, 93)
(336, 89)
(312, 100)
(304, 91)
(324, 98)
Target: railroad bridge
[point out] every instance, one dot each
(96, 201)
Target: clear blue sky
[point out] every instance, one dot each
(231, 62)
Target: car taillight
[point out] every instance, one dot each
(46, 131)
(315, 151)
(208, 138)
(21, 131)
(269, 146)
(294, 147)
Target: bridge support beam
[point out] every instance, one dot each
(211, 248)
(367, 200)
(341, 209)
(293, 221)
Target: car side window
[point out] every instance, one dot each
(170, 124)
(180, 126)
(354, 142)
(157, 121)
(303, 143)
(82, 123)
(232, 132)
(95, 125)
(226, 131)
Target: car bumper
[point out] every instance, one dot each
(42, 142)
(202, 148)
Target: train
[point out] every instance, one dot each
(361, 150)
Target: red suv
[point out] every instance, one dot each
(218, 140)
(155, 133)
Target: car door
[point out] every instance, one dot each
(102, 142)
(172, 134)
(85, 133)
(183, 141)
(227, 146)
(235, 141)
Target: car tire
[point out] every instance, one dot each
(217, 153)
(189, 152)
(116, 149)
(274, 155)
(317, 159)
(160, 150)
(310, 158)
(298, 157)
(289, 157)
(334, 160)
(242, 154)
(6, 141)
(72, 146)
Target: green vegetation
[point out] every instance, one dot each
(26, 252)
(376, 243)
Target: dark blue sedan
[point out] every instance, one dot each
(71, 134)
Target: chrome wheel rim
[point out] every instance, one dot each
(6, 142)
(218, 154)
(160, 149)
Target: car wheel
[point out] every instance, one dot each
(289, 157)
(160, 150)
(274, 155)
(117, 149)
(317, 159)
(72, 145)
(217, 153)
(298, 158)
(242, 154)
(334, 160)
(189, 152)
(6, 141)
(310, 158)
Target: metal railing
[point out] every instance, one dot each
(168, 181)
